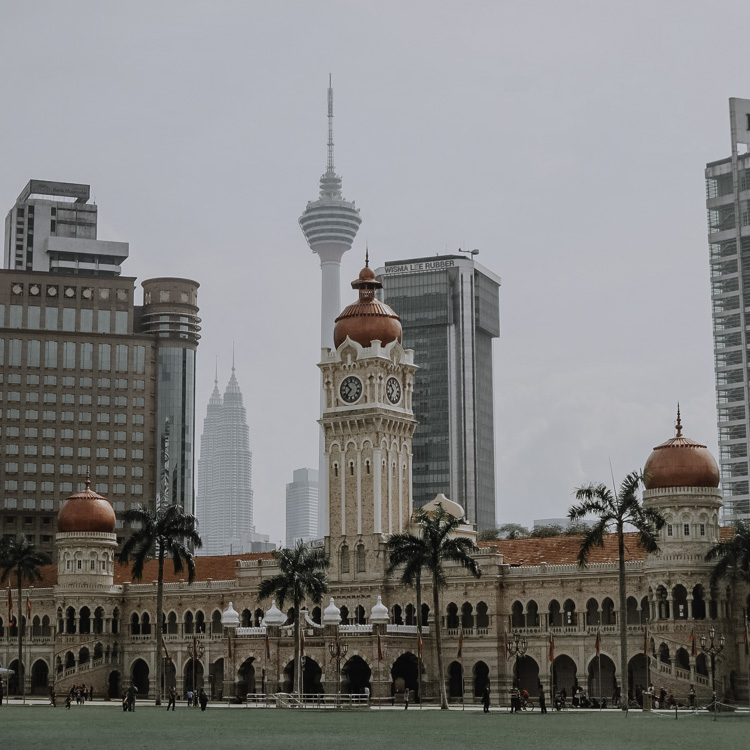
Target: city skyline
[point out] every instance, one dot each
(572, 163)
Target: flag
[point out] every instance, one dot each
(692, 642)
(419, 647)
(28, 609)
(380, 649)
(195, 647)
(551, 648)
(10, 607)
(268, 648)
(747, 640)
(302, 644)
(598, 644)
(507, 646)
(460, 644)
(645, 641)
(166, 653)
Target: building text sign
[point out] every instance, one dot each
(427, 265)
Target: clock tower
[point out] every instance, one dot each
(368, 424)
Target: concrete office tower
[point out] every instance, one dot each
(91, 382)
(728, 204)
(302, 507)
(330, 225)
(450, 312)
(52, 227)
(225, 467)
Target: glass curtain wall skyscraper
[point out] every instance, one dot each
(225, 466)
(450, 312)
(728, 205)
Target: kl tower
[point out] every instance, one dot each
(330, 225)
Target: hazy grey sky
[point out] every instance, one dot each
(565, 140)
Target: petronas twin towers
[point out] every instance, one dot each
(225, 471)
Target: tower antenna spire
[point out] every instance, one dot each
(330, 125)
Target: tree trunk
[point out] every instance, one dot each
(438, 643)
(159, 617)
(297, 682)
(21, 628)
(419, 635)
(625, 692)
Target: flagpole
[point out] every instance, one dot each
(599, 659)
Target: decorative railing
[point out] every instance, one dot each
(406, 629)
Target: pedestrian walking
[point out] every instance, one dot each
(486, 698)
(52, 700)
(190, 696)
(406, 698)
(132, 690)
(542, 699)
(172, 698)
(203, 698)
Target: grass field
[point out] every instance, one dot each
(105, 727)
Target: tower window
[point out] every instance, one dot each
(335, 470)
(703, 529)
(351, 468)
(686, 529)
(669, 529)
(367, 466)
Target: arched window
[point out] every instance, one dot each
(98, 651)
(532, 614)
(451, 619)
(116, 621)
(145, 624)
(555, 616)
(483, 619)
(216, 626)
(259, 615)
(516, 616)
(397, 615)
(247, 618)
(592, 612)
(189, 623)
(569, 610)
(467, 616)
(680, 603)
(409, 613)
(608, 612)
(345, 559)
(344, 615)
(360, 615)
(85, 620)
(335, 470)
(200, 622)
(425, 615)
(361, 560)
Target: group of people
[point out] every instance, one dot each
(193, 699)
(521, 700)
(78, 693)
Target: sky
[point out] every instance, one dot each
(564, 140)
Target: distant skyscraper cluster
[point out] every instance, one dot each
(225, 496)
(302, 507)
(728, 204)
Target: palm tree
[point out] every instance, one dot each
(436, 544)
(301, 576)
(19, 557)
(613, 513)
(410, 552)
(732, 556)
(167, 532)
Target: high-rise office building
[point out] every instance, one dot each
(330, 225)
(302, 507)
(225, 472)
(449, 307)
(90, 381)
(728, 204)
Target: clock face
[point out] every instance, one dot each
(393, 390)
(351, 389)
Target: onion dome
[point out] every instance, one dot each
(368, 319)
(379, 613)
(680, 462)
(274, 616)
(331, 614)
(86, 511)
(230, 618)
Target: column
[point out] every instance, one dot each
(377, 469)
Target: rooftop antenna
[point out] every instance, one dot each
(612, 472)
(216, 374)
(233, 356)
(330, 125)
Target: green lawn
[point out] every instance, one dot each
(98, 727)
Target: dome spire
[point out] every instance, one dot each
(678, 426)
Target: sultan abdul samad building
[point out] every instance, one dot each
(91, 624)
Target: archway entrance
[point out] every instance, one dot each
(188, 676)
(246, 674)
(637, 673)
(113, 685)
(606, 687)
(564, 674)
(404, 673)
(13, 681)
(39, 678)
(481, 678)
(311, 674)
(355, 676)
(140, 672)
(216, 680)
(455, 680)
(527, 674)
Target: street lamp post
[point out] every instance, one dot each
(708, 646)
(195, 653)
(517, 648)
(338, 650)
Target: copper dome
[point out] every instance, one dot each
(368, 319)
(680, 462)
(86, 511)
